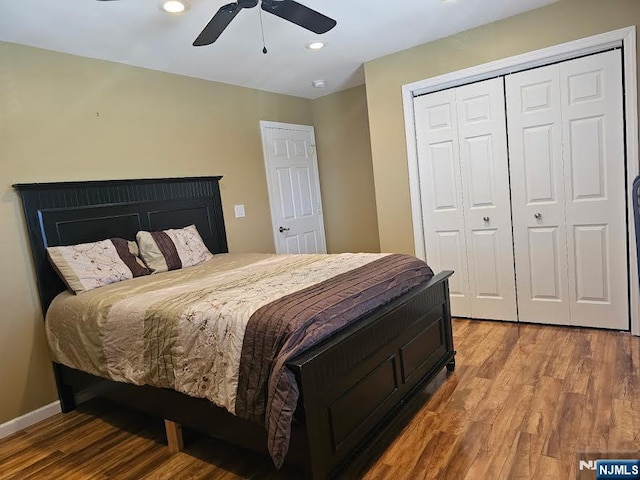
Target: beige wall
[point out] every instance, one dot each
(346, 174)
(69, 118)
(561, 22)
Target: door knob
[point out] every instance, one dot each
(538, 216)
(486, 219)
(283, 229)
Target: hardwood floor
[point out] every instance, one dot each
(522, 401)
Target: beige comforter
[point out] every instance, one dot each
(181, 329)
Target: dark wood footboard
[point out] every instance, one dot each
(354, 385)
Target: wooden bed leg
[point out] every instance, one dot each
(174, 436)
(451, 366)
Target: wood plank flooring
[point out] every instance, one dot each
(522, 401)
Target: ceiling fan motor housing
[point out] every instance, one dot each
(247, 3)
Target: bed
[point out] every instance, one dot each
(353, 385)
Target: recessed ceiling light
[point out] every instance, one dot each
(319, 83)
(174, 6)
(315, 45)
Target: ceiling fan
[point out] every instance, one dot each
(289, 10)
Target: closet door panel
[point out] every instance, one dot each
(487, 207)
(441, 193)
(537, 194)
(539, 164)
(486, 271)
(448, 250)
(594, 172)
(545, 266)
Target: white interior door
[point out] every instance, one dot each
(294, 187)
(566, 150)
(441, 192)
(487, 206)
(537, 193)
(594, 175)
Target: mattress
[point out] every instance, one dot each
(224, 330)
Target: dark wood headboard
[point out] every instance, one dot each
(67, 213)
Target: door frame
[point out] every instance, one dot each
(264, 124)
(625, 38)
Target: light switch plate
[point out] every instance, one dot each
(239, 209)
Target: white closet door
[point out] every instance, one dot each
(566, 154)
(594, 174)
(441, 193)
(537, 193)
(487, 206)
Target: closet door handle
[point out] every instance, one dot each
(486, 219)
(538, 216)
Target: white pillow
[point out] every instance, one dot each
(172, 249)
(91, 265)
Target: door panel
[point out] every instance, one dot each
(486, 202)
(300, 149)
(443, 169)
(539, 166)
(441, 193)
(594, 171)
(537, 95)
(306, 191)
(537, 194)
(285, 188)
(592, 263)
(484, 245)
(545, 267)
(480, 171)
(292, 243)
(294, 188)
(586, 158)
(448, 250)
(311, 244)
(566, 149)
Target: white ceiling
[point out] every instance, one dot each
(137, 32)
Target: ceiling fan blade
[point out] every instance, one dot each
(217, 24)
(299, 14)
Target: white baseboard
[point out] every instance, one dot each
(28, 419)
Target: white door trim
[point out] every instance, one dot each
(624, 37)
(264, 124)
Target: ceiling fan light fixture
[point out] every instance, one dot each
(315, 45)
(319, 83)
(174, 6)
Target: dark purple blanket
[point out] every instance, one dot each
(267, 390)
